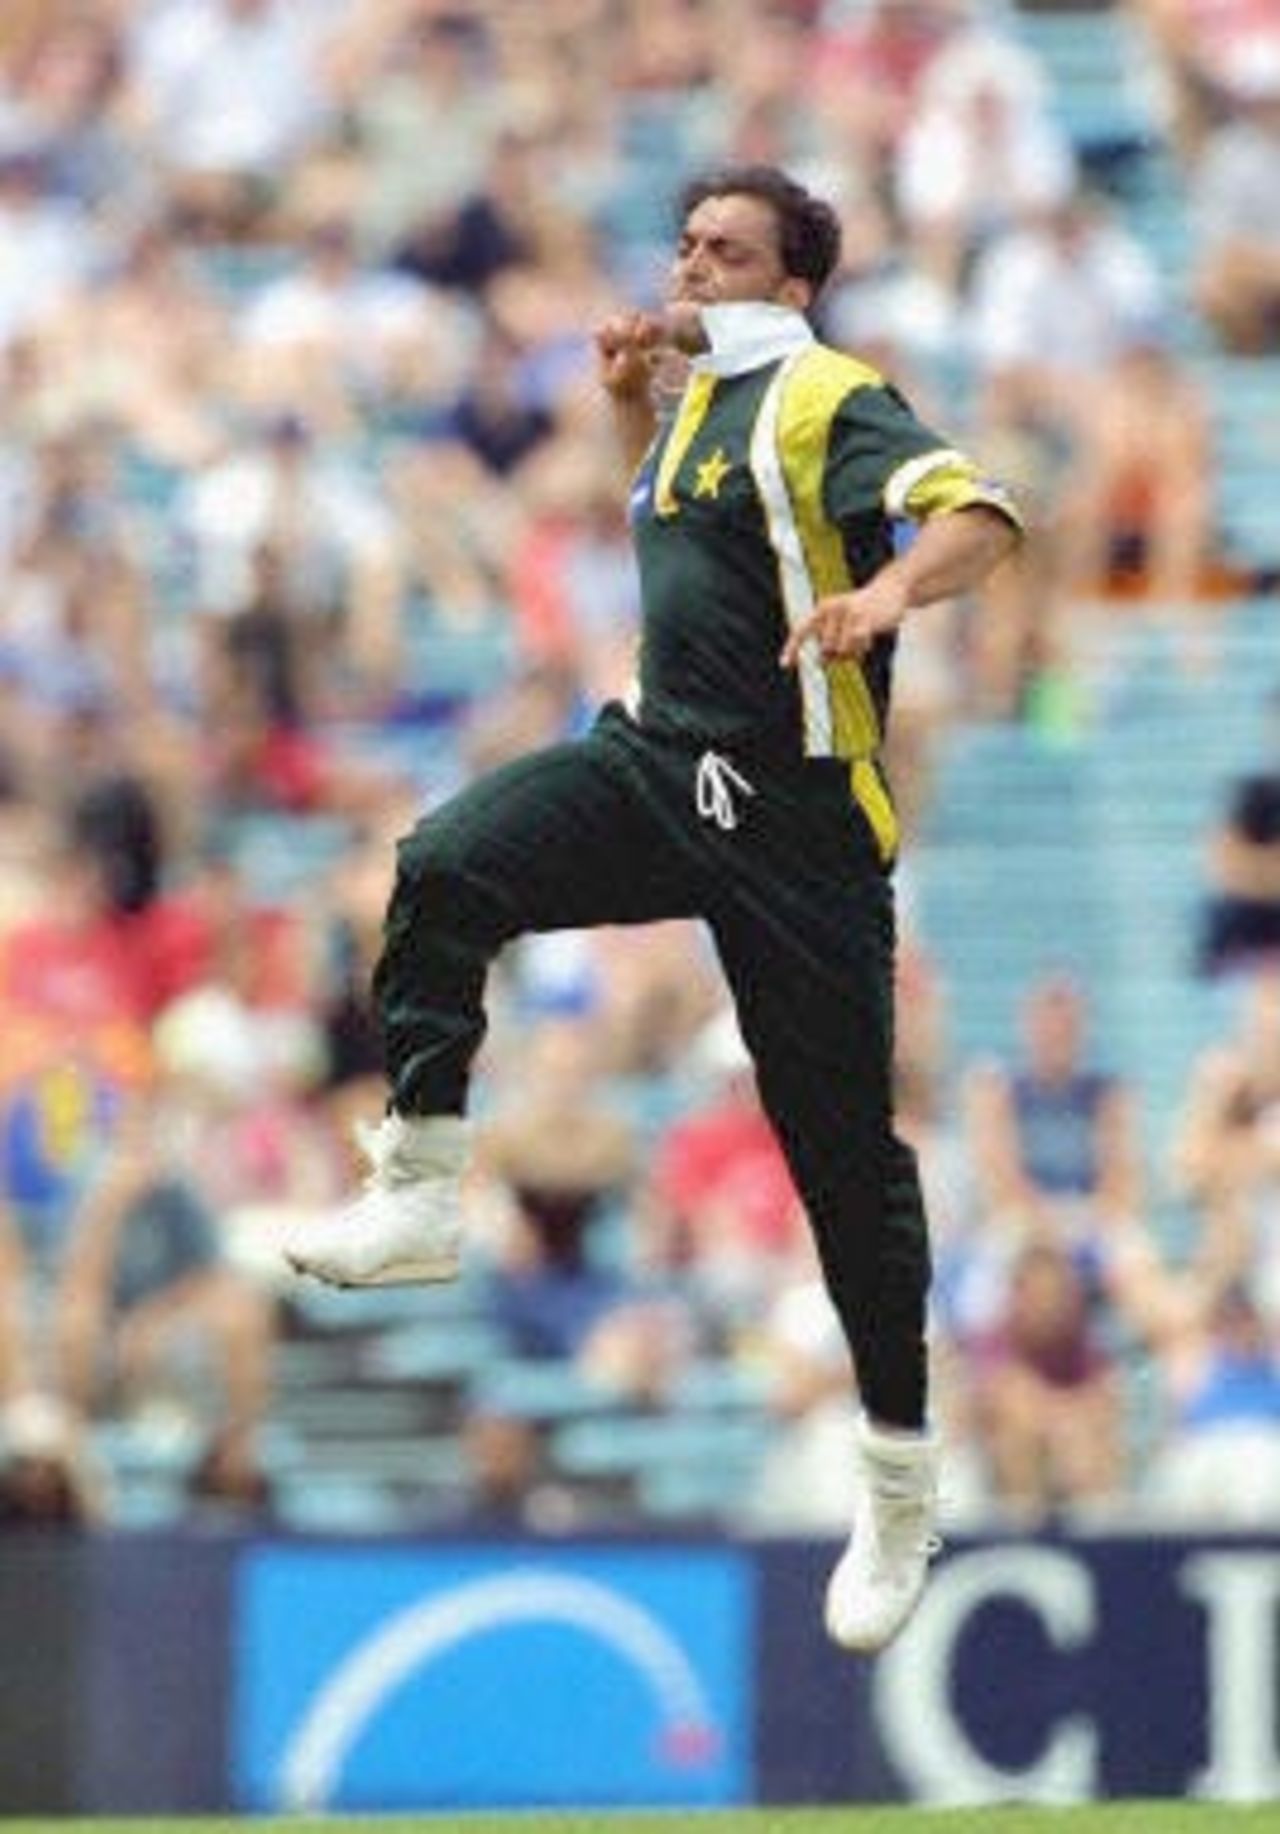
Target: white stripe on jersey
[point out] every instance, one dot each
(798, 596)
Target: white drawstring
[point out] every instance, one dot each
(715, 786)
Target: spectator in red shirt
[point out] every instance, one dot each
(721, 1207)
(1049, 1392)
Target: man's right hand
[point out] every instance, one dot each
(628, 345)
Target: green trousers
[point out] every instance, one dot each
(782, 866)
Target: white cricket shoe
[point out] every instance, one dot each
(880, 1576)
(405, 1227)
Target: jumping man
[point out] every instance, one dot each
(739, 783)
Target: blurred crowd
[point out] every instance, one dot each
(308, 510)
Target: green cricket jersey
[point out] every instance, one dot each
(768, 489)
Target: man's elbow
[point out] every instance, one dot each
(1001, 532)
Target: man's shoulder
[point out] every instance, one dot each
(836, 371)
(824, 384)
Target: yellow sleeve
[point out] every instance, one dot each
(935, 483)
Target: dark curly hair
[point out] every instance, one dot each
(808, 227)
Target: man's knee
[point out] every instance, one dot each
(438, 844)
(442, 878)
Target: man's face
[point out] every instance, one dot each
(728, 250)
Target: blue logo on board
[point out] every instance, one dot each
(409, 1679)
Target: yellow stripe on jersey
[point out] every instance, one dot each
(877, 805)
(788, 460)
(817, 384)
(795, 584)
(690, 415)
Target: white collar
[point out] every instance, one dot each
(746, 334)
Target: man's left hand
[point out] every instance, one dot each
(846, 624)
